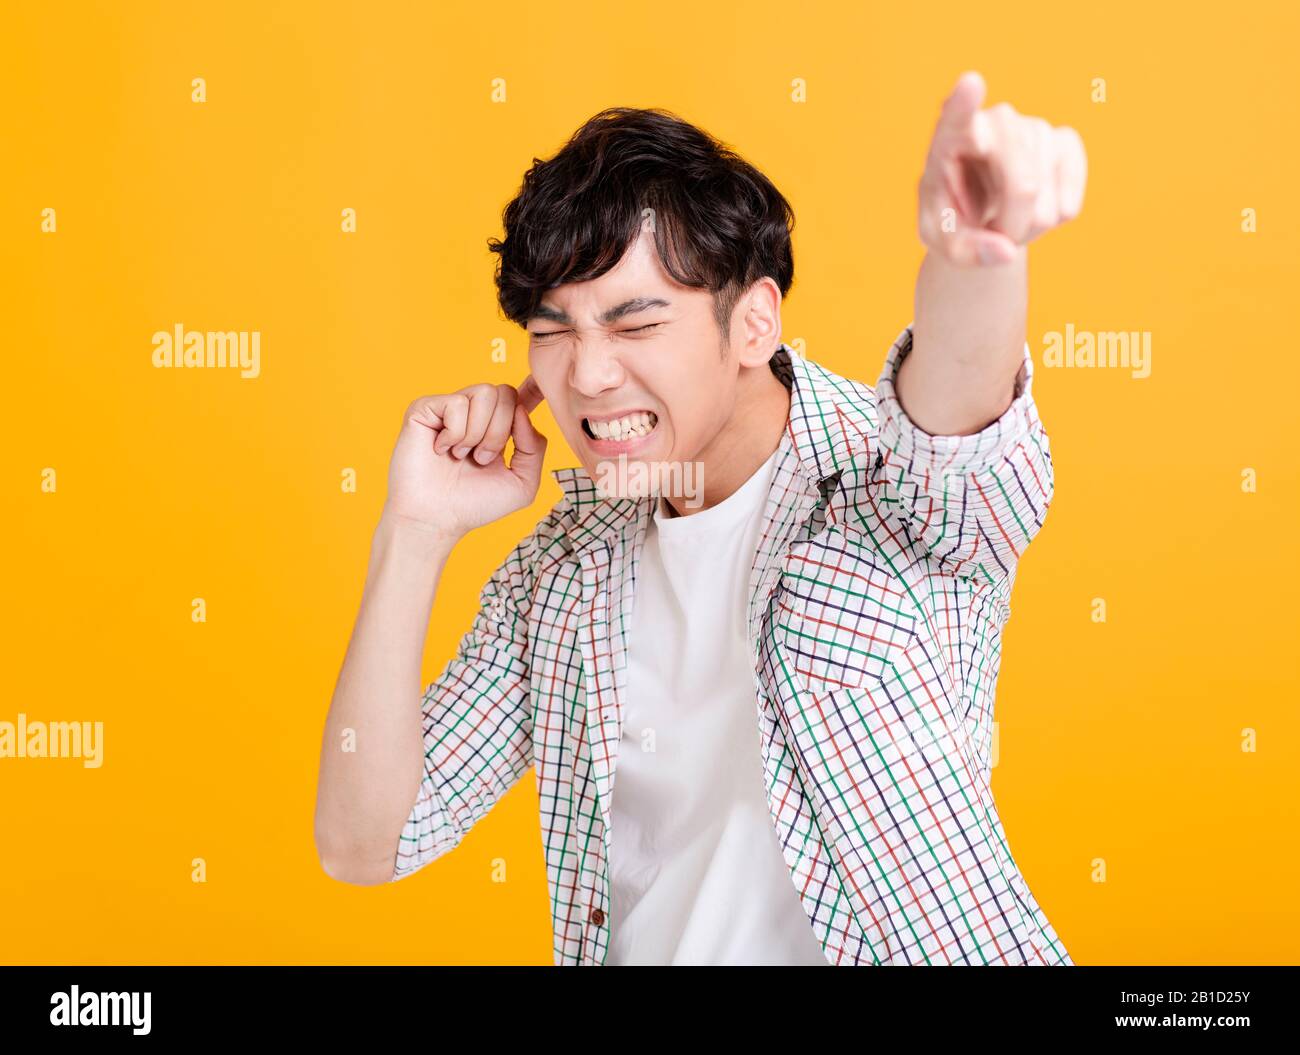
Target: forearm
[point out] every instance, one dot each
(968, 340)
(365, 794)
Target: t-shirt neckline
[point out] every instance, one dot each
(733, 509)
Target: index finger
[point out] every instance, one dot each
(961, 123)
(529, 394)
(964, 99)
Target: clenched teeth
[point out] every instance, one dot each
(627, 427)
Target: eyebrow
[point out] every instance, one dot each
(628, 307)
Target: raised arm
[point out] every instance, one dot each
(994, 180)
(447, 476)
(965, 457)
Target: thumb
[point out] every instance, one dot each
(974, 247)
(530, 448)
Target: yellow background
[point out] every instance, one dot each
(1119, 741)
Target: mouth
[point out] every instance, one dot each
(621, 432)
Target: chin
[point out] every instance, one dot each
(625, 476)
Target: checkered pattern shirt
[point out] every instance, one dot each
(877, 597)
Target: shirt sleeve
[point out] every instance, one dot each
(478, 718)
(974, 502)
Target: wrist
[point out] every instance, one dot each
(396, 529)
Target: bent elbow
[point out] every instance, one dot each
(356, 871)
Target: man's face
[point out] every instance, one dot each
(632, 366)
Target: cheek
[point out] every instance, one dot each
(697, 419)
(544, 370)
(684, 425)
(548, 372)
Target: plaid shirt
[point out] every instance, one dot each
(877, 598)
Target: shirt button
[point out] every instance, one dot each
(597, 917)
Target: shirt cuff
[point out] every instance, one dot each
(429, 833)
(953, 454)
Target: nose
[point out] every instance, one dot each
(594, 369)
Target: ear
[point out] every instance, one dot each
(756, 331)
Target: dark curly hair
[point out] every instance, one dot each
(719, 223)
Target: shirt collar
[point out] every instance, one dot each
(830, 419)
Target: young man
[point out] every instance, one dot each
(751, 654)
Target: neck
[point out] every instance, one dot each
(745, 442)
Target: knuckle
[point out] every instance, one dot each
(1021, 185)
(419, 407)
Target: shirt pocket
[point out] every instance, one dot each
(843, 619)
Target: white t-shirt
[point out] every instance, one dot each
(696, 871)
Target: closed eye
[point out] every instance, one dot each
(647, 328)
